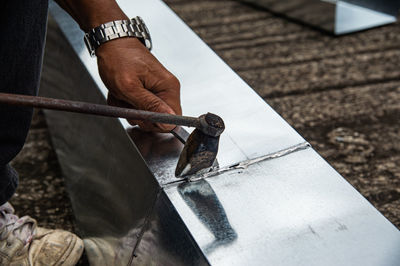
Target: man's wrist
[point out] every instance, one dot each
(90, 14)
(96, 20)
(108, 48)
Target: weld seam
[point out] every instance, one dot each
(244, 164)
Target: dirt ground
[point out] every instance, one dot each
(342, 94)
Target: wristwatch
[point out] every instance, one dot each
(134, 27)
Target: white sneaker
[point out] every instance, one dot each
(23, 243)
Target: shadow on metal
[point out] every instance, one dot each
(203, 201)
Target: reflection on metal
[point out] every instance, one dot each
(292, 210)
(165, 239)
(286, 207)
(202, 200)
(337, 17)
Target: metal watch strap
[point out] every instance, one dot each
(117, 29)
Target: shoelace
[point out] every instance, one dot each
(11, 226)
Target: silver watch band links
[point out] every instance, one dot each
(117, 29)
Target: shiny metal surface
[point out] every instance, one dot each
(337, 17)
(100, 163)
(292, 210)
(286, 207)
(166, 241)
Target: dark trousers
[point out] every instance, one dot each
(22, 38)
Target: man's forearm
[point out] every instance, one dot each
(133, 76)
(92, 13)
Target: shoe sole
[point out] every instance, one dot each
(73, 253)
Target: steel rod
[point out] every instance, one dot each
(97, 109)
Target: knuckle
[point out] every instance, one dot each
(172, 81)
(176, 83)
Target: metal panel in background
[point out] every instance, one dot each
(276, 203)
(334, 16)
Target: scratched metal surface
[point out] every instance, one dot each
(224, 218)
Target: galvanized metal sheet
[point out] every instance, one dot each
(292, 210)
(288, 207)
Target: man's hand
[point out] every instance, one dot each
(132, 74)
(137, 79)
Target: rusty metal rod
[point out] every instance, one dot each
(97, 109)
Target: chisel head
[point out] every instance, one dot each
(201, 148)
